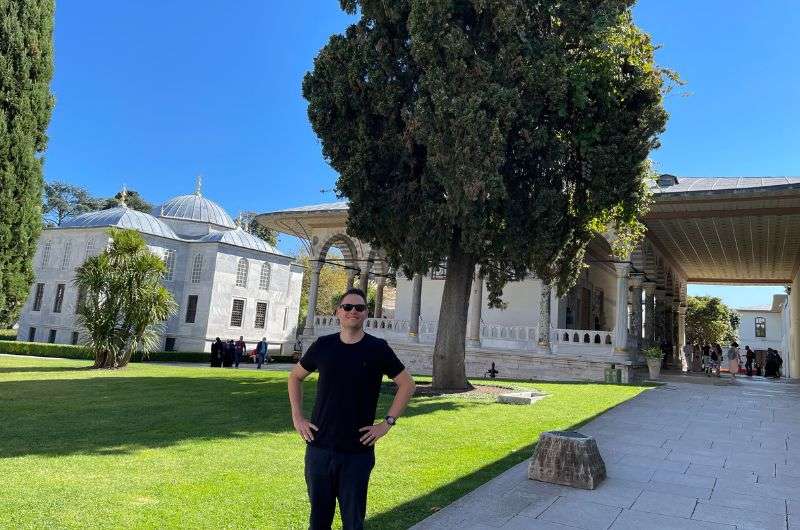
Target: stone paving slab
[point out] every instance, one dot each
(681, 456)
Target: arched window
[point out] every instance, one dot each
(66, 258)
(197, 268)
(266, 271)
(241, 273)
(761, 327)
(46, 253)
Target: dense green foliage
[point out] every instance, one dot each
(172, 447)
(257, 229)
(708, 319)
(68, 351)
(504, 134)
(133, 200)
(518, 129)
(125, 303)
(62, 200)
(26, 67)
(8, 334)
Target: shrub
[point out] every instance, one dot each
(653, 352)
(43, 349)
(8, 334)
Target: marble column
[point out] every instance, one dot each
(363, 278)
(351, 276)
(544, 318)
(649, 313)
(621, 313)
(416, 302)
(668, 320)
(682, 337)
(316, 267)
(658, 334)
(379, 297)
(475, 310)
(635, 337)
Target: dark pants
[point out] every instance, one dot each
(237, 357)
(331, 475)
(260, 359)
(749, 367)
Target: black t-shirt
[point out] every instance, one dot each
(349, 383)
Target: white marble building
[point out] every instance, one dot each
(735, 231)
(226, 281)
(767, 326)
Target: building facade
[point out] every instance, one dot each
(738, 231)
(763, 327)
(227, 282)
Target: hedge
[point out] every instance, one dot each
(8, 334)
(44, 349)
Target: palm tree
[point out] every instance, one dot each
(123, 303)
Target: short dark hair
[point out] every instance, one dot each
(353, 290)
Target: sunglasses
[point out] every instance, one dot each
(358, 307)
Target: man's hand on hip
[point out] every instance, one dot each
(304, 428)
(373, 432)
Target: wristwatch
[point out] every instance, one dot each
(390, 420)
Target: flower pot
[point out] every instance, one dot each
(654, 366)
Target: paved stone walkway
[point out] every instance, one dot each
(685, 455)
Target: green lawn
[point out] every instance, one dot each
(161, 446)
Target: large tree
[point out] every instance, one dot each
(499, 133)
(62, 200)
(123, 303)
(26, 67)
(708, 319)
(133, 200)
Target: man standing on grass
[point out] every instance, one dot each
(342, 432)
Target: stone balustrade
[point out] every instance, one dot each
(585, 337)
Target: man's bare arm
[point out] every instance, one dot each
(405, 389)
(301, 424)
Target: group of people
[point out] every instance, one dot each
(708, 358)
(230, 354)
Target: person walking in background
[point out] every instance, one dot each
(750, 356)
(238, 351)
(697, 361)
(262, 352)
(733, 360)
(686, 357)
(714, 360)
(229, 349)
(217, 352)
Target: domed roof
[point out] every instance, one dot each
(194, 207)
(121, 217)
(240, 238)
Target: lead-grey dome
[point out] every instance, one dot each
(240, 238)
(121, 217)
(194, 207)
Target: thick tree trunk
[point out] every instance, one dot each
(449, 371)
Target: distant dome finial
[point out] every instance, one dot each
(198, 185)
(123, 196)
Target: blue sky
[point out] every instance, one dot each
(152, 93)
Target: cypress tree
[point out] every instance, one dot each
(26, 67)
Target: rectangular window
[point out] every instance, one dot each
(197, 268)
(59, 298)
(761, 327)
(80, 299)
(169, 344)
(191, 308)
(169, 261)
(66, 259)
(261, 314)
(37, 299)
(31, 334)
(237, 312)
(74, 340)
(52, 338)
(46, 254)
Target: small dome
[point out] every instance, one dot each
(240, 238)
(121, 217)
(194, 207)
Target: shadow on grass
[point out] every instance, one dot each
(24, 369)
(120, 414)
(416, 510)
